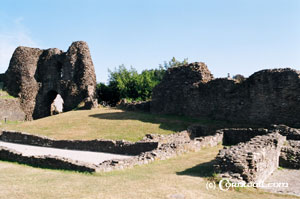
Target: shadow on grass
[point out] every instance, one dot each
(47, 167)
(201, 170)
(166, 122)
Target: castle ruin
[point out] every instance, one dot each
(37, 76)
(266, 97)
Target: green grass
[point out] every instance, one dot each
(280, 168)
(184, 175)
(9, 122)
(160, 179)
(5, 95)
(103, 123)
(108, 123)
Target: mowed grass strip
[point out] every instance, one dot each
(105, 123)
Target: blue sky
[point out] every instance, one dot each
(232, 36)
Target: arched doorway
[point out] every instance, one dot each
(55, 103)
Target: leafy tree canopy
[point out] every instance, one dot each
(128, 84)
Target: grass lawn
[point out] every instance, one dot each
(107, 123)
(185, 175)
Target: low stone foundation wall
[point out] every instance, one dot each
(198, 130)
(163, 147)
(290, 133)
(290, 155)
(170, 146)
(254, 157)
(109, 146)
(234, 136)
(290, 152)
(252, 161)
(53, 162)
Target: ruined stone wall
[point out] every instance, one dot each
(109, 146)
(170, 96)
(290, 155)
(234, 136)
(37, 76)
(252, 161)
(47, 161)
(266, 97)
(10, 110)
(290, 152)
(150, 148)
(290, 133)
(169, 146)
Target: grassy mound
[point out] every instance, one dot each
(103, 123)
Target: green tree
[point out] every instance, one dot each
(129, 84)
(173, 63)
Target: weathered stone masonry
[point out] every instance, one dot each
(47, 161)
(235, 136)
(290, 155)
(290, 152)
(37, 76)
(266, 97)
(252, 161)
(151, 148)
(253, 157)
(109, 146)
(255, 153)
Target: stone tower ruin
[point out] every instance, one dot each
(37, 76)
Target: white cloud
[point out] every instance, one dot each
(11, 36)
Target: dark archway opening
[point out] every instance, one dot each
(54, 103)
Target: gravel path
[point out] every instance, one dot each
(292, 177)
(84, 156)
